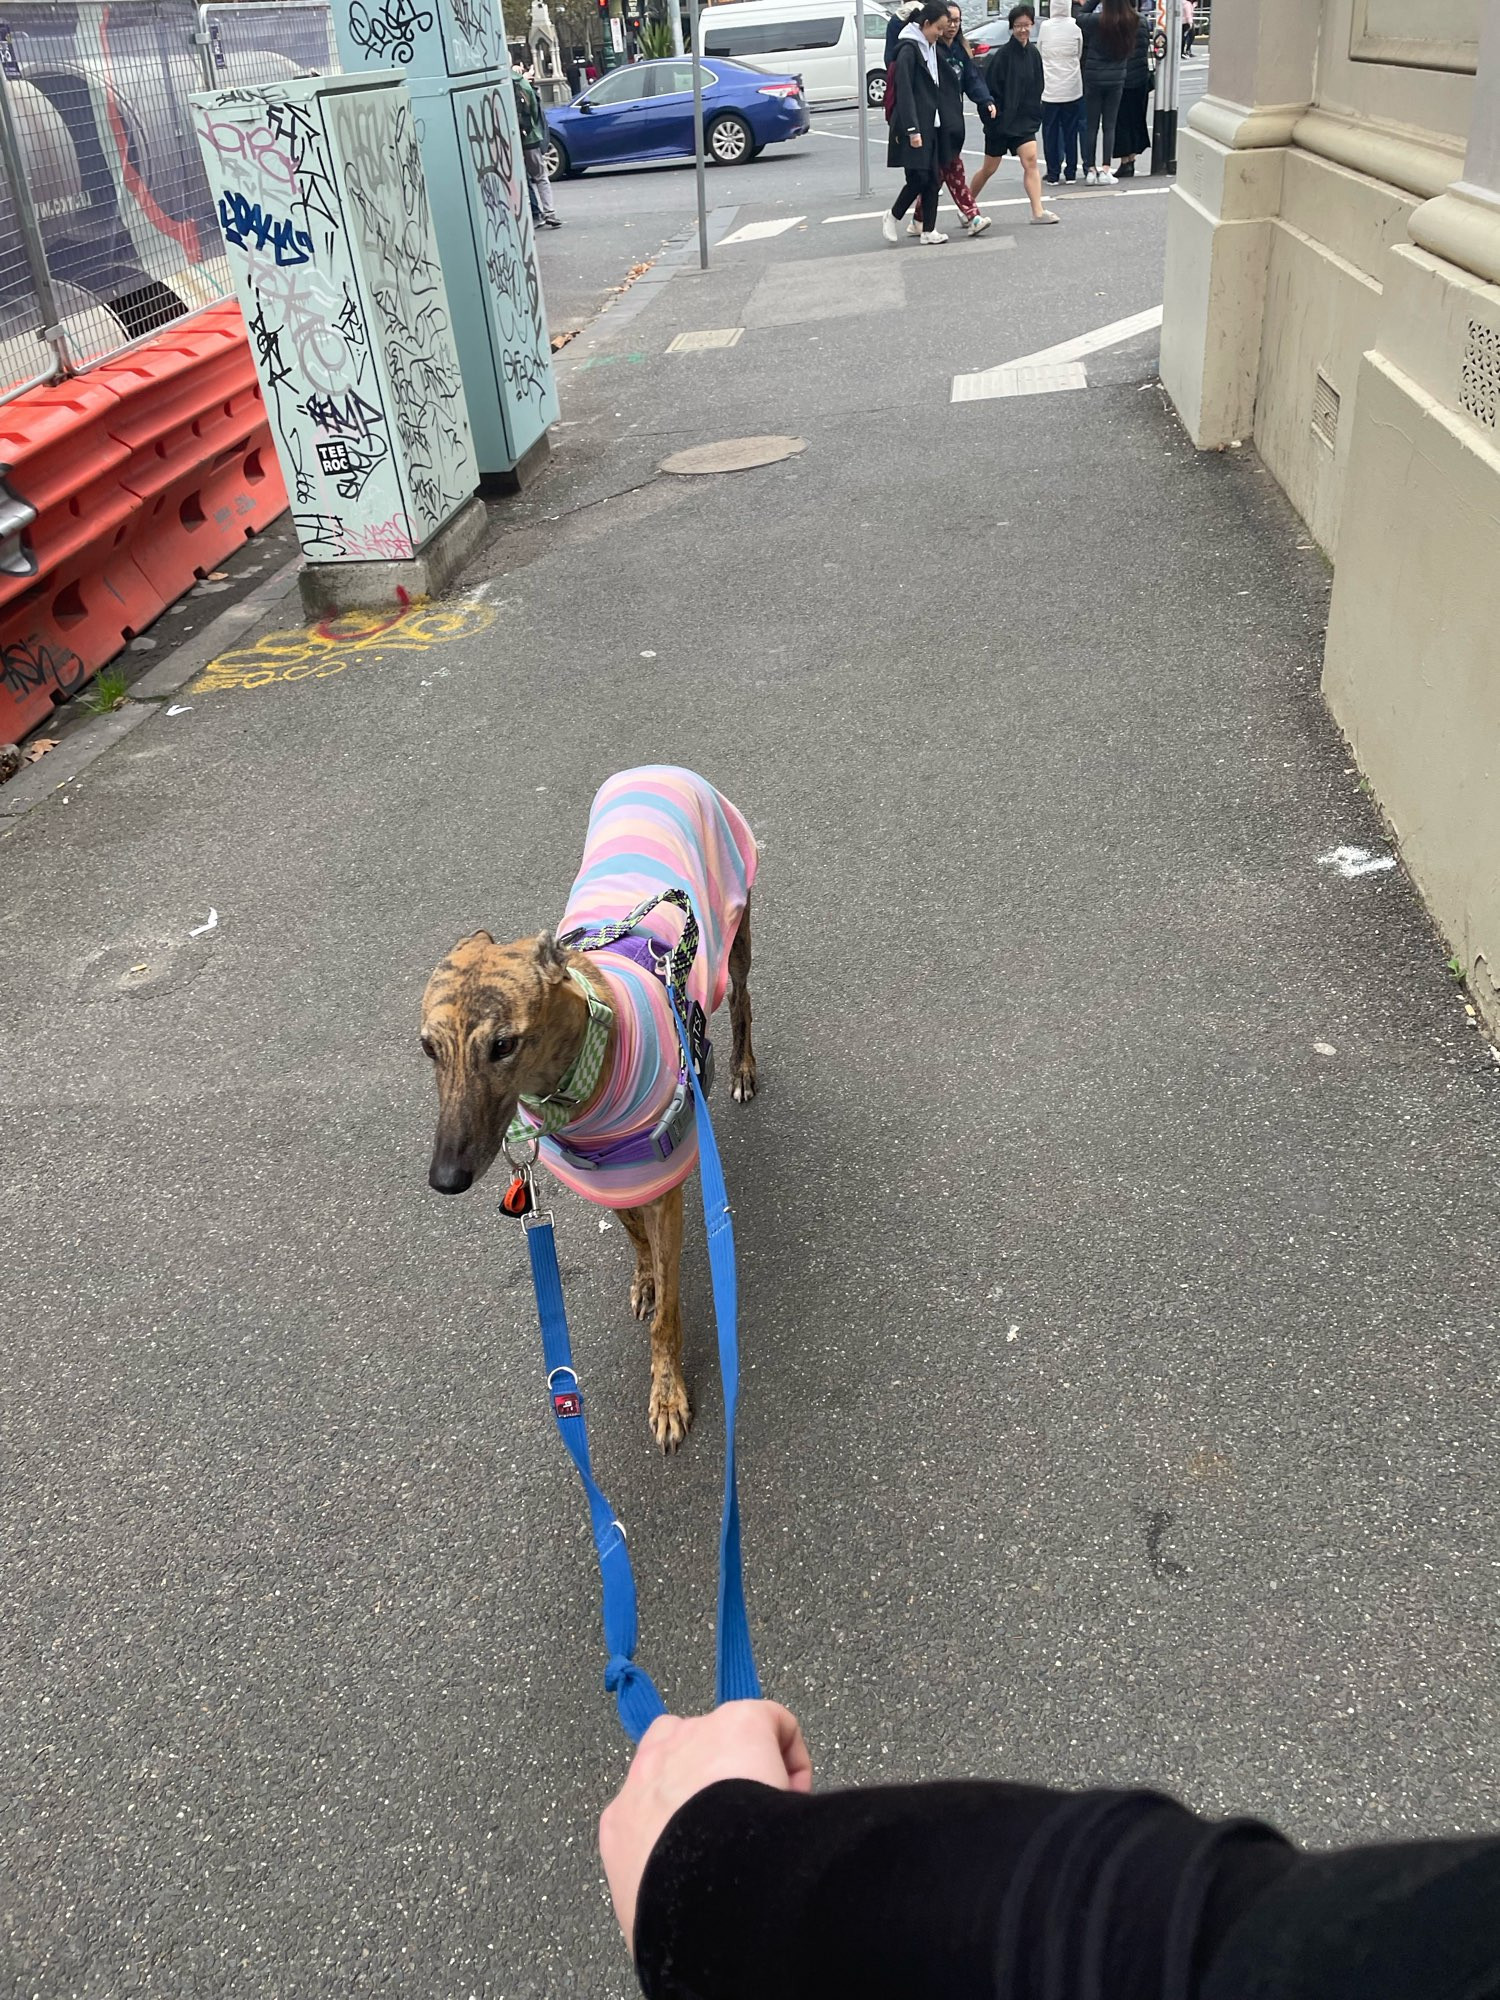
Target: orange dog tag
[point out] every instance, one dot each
(518, 1199)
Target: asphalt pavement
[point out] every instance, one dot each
(1117, 1223)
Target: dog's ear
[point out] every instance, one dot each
(550, 960)
(479, 937)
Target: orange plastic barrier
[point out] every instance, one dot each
(70, 594)
(143, 475)
(193, 418)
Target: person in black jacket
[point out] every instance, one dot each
(913, 144)
(1109, 30)
(959, 76)
(1132, 133)
(1015, 77)
(732, 1882)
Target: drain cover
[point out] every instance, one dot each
(734, 454)
(140, 967)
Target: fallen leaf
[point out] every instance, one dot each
(40, 747)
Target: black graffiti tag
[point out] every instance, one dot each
(28, 664)
(390, 32)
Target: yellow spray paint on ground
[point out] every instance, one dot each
(333, 645)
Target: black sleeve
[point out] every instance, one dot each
(904, 115)
(959, 1891)
(1010, 1892)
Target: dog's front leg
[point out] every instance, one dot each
(643, 1285)
(668, 1411)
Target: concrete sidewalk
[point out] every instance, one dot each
(1118, 1225)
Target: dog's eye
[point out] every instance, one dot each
(428, 1050)
(504, 1047)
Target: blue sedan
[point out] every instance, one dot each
(645, 112)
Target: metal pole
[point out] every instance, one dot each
(693, 29)
(864, 100)
(674, 14)
(1168, 91)
(12, 160)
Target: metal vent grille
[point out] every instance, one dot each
(1325, 410)
(1479, 391)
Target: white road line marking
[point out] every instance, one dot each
(1019, 380)
(1051, 361)
(1112, 335)
(752, 232)
(1012, 201)
(211, 925)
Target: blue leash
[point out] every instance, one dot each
(634, 1690)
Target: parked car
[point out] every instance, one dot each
(645, 112)
(984, 29)
(815, 38)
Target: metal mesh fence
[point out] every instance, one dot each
(111, 184)
(253, 42)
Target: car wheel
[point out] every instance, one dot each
(875, 87)
(559, 166)
(730, 141)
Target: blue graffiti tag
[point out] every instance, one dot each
(246, 224)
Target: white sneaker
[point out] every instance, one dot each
(978, 224)
(1091, 178)
(888, 227)
(1106, 177)
(914, 227)
(933, 236)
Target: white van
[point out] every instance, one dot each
(802, 38)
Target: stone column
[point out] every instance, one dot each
(1412, 666)
(1228, 187)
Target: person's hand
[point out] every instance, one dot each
(679, 1756)
(988, 110)
(916, 138)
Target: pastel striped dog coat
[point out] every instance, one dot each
(659, 827)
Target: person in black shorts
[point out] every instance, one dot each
(1014, 75)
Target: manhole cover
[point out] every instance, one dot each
(734, 454)
(141, 967)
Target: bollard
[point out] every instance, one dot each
(323, 206)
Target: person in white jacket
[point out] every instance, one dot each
(1061, 42)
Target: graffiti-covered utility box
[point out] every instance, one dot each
(324, 209)
(454, 58)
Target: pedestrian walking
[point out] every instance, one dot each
(1015, 76)
(1189, 30)
(913, 144)
(533, 140)
(1132, 132)
(959, 76)
(1059, 41)
(1109, 32)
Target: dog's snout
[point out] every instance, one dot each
(449, 1178)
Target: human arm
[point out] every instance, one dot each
(905, 116)
(976, 87)
(738, 1885)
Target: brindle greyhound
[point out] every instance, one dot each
(503, 1021)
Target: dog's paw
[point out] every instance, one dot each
(669, 1413)
(643, 1295)
(744, 1084)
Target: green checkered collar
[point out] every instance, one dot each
(549, 1114)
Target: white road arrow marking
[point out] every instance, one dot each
(212, 924)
